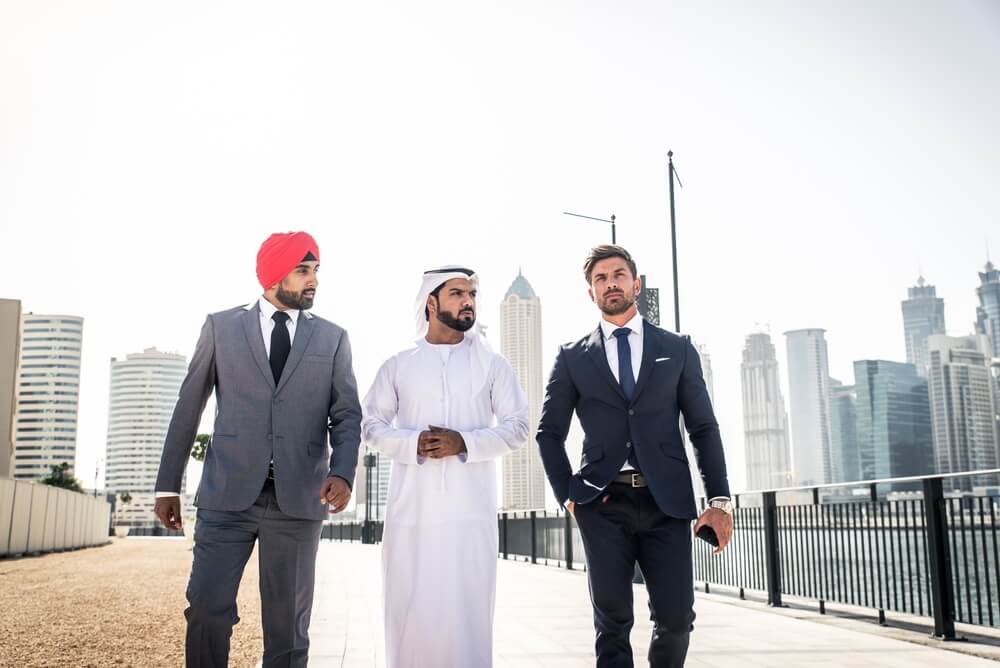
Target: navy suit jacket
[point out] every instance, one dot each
(670, 385)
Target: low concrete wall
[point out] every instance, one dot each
(37, 518)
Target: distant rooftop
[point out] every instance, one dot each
(520, 287)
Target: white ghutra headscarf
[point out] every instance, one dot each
(482, 353)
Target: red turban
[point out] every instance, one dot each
(281, 253)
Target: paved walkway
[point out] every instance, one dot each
(543, 620)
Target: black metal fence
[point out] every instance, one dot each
(921, 546)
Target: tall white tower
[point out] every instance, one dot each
(144, 389)
(521, 344)
(765, 422)
(48, 394)
(809, 401)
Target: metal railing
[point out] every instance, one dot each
(925, 546)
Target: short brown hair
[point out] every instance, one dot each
(603, 252)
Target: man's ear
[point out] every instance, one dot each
(431, 305)
(590, 293)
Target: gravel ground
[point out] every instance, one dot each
(117, 605)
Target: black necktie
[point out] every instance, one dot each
(626, 378)
(281, 344)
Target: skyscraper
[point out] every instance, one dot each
(844, 465)
(521, 344)
(809, 402)
(706, 370)
(893, 420)
(648, 302)
(48, 394)
(988, 323)
(988, 311)
(10, 347)
(144, 389)
(965, 434)
(923, 316)
(765, 423)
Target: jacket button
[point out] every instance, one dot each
(631, 412)
(629, 444)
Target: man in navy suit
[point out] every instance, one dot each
(629, 383)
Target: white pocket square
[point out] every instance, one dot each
(662, 359)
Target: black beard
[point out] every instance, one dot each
(296, 300)
(623, 306)
(457, 324)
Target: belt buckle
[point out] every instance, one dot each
(635, 480)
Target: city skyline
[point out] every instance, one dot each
(151, 199)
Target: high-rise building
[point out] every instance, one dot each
(10, 347)
(893, 420)
(48, 394)
(521, 344)
(648, 302)
(765, 422)
(988, 310)
(962, 403)
(144, 389)
(706, 370)
(988, 323)
(923, 316)
(844, 464)
(809, 403)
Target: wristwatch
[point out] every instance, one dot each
(722, 503)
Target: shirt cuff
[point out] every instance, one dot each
(161, 495)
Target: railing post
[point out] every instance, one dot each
(940, 566)
(773, 562)
(506, 529)
(534, 540)
(569, 540)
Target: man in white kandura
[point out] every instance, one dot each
(443, 411)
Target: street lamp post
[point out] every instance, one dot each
(367, 530)
(671, 172)
(602, 220)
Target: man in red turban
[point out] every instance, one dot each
(284, 263)
(282, 456)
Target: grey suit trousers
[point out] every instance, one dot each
(223, 543)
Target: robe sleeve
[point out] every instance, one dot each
(380, 407)
(510, 407)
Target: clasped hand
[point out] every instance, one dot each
(440, 442)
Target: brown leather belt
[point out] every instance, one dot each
(631, 479)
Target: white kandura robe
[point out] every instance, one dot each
(439, 547)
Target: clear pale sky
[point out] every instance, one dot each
(147, 148)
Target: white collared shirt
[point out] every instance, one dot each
(267, 311)
(611, 350)
(634, 342)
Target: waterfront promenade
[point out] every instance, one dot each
(122, 605)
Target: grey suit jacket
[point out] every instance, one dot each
(255, 420)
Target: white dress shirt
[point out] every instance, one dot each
(611, 350)
(267, 310)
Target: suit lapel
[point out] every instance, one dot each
(595, 351)
(303, 330)
(650, 348)
(255, 339)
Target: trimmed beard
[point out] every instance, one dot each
(623, 306)
(454, 323)
(295, 300)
